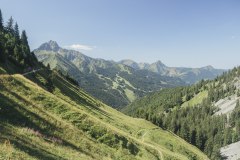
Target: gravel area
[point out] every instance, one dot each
(226, 105)
(232, 151)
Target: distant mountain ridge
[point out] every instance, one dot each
(188, 75)
(119, 83)
(115, 84)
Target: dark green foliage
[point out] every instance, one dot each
(73, 81)
(1, 21)
(163, 101)
(48, 66)
(16, 32)
(14, 51)
(196, 124)
(24, 41)
(9, 27)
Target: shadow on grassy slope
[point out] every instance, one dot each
(15, 115)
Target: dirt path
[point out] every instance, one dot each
(150, 145)
(33, 71)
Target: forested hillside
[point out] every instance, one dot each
(191, 113)
(115, 84)
(45, 115)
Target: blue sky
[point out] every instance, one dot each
(186, 33)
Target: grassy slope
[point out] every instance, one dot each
(156, 100)
(197, 99)
(69, 124)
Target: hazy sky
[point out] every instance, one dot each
(187, 33)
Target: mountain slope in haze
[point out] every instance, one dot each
(115, 84)
(188, 75)
(205, 114)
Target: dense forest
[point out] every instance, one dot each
(14, 48)
(196, 123)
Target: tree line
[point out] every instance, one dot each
(14, 47)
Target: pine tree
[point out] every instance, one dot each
(2, 54)
(237, 104)
(209, 146)
(24, 41)
(1, 21)
(192, 136)
(184, 131)
(199, 139)
(9, 26)
(16, 53)
(238, 93)
(48, 66)
(16, 32)
(227, 137)
(1, 36)
(238, 128)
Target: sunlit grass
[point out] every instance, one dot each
(67, 123)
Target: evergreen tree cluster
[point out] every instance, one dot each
(224, 86)
(14, 47)
(196, 124)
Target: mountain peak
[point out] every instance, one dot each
(130, 63)
(53, 44)
(127, 61)
(50, 46)
(159, 63)
(209, 67)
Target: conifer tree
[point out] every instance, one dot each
(48, 66)
(16, 32)
(2, 58)
(9, 26)
(238, 128)
(24, 41)
(1, 21)
(237, 104)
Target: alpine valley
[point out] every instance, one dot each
(118, 83)
(59, 104)
(45, 115)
